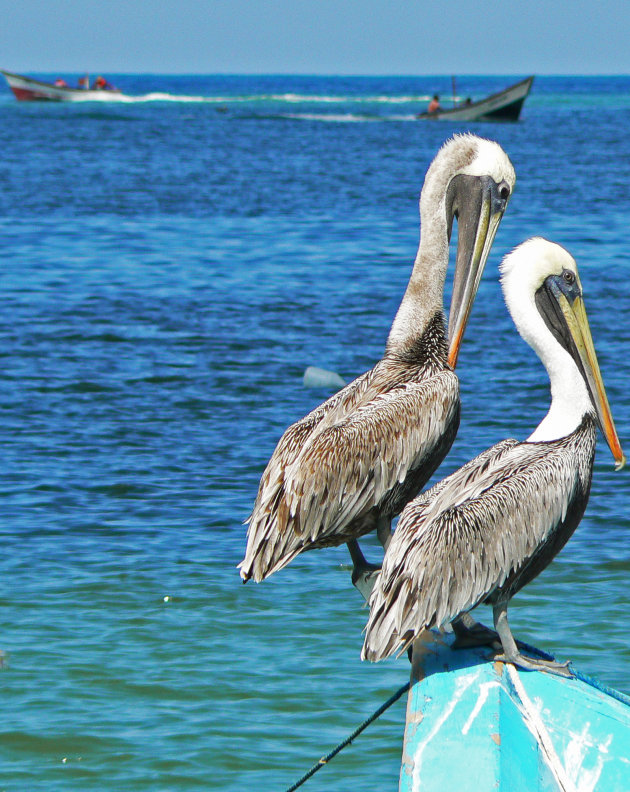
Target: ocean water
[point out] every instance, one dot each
(170, 265)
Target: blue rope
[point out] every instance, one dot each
(535, 651)
(591, 681)
(594, 683)
(608, 691)
(325, 759)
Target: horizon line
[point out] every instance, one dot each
(327, 74)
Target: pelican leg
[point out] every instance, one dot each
(470, 633)
(384, 531)
(511, 653)
(363, 573)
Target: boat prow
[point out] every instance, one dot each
(476, 725)
(505, 105)
(26, 89)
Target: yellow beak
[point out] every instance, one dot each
(577, 323)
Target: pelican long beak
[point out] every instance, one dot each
(577, 323)
(479, 204)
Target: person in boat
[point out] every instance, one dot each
(84, 82)
(101, 84)
(434, 104)
(60, 83)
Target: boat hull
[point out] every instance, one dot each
(27, 89)
(505, 105)
(475, 725)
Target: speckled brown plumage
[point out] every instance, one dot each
(360, 455)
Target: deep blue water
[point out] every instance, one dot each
(169, 267)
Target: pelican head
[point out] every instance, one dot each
(479, 182)
(543, 293)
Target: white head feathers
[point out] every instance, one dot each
(467, 155)
(523, 272)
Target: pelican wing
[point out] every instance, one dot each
(462, 539)
(344, 470)
(297, 437)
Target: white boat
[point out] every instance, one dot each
(26, 89)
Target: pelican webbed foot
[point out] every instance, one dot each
(511, 653)
(536, 664)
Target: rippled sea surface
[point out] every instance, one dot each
(170, 265)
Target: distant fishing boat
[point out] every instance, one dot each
(503, 106)
(476, 725)
(26, 89)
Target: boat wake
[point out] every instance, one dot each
(120, 98)
(344, 118)
(287, 98)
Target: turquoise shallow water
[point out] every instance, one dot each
(169, 268)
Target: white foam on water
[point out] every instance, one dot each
(289, 98)
(343, 118)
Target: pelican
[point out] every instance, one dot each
(352, 464)
(485, 531)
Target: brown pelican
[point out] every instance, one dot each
(485, 531)
(352, 464)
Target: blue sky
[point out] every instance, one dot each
(316, 36)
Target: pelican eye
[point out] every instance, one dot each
(569, 277)
(504, 192)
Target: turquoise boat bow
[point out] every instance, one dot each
(479, 725)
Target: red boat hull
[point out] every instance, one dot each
(26, 89)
